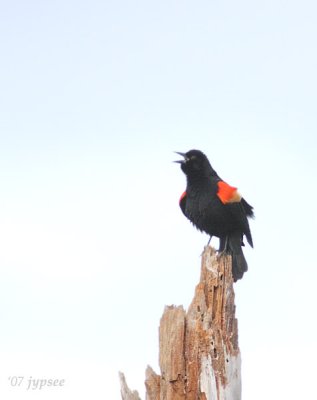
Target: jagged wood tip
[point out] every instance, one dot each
(126, 393)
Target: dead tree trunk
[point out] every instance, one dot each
(199, 353)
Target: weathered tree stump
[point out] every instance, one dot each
(199, 354)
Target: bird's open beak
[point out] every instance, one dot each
(181, 154)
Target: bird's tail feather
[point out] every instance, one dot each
(233, 245)
(239, 266)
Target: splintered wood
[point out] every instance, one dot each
(126, 393)
(199, 353)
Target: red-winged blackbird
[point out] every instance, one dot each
(216, 208)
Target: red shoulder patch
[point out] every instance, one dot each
(182, 196)
(227, 193)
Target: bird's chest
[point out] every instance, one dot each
(201, 202)
(205, 210)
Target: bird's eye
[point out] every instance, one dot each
(193, 158)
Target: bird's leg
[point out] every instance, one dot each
(206, 244)
(226, 244)
(210, 237)
(223, 247)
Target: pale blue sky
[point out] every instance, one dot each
(94, 98)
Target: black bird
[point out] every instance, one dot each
(216, 208)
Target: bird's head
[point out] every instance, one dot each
(195, 164)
